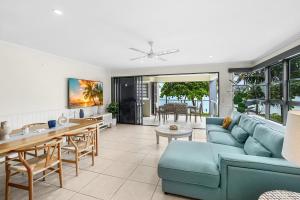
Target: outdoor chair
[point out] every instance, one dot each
(196, 112)
(181, 109)
(169, 109)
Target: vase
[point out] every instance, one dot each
(4, 131)
(52, 124)
(62, 120)
(81, 113)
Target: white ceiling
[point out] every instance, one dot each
(101, 31)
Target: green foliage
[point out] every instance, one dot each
(239, 100)
(190, 90)
(276, 117)
(113, 108)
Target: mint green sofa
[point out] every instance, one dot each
(240, 162)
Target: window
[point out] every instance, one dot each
(273, 98)
(249, 91)
(294, 79)
(276, 113)
(145, 92)
(276, 80)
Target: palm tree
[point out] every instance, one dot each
(98, 89)
(89, 92)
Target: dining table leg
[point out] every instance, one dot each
(97, 139)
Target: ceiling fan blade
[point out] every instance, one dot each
(137, 58)
(167, 52)
(140, 51)
(162, 59)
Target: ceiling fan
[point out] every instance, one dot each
(151, 54)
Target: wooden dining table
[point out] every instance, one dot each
(79, 125)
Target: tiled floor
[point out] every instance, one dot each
(126, 169)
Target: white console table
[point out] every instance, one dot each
(106, 119)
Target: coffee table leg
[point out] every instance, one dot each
(169, 139)
(157, 139)
(190, 138)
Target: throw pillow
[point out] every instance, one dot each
(239, 134)
(253, 147)
(226, 122)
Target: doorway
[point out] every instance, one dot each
(141, 98)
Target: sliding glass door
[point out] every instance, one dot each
(127, 92)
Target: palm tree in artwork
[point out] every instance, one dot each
(89, 92)
(99, 92)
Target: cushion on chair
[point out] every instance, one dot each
(214, 127)
(248, 124)
(235, 116)
(223, 138)
(189, 162)
(239, 134)
(269, 138)
(253, 147)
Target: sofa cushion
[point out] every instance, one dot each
(239, 134)
(214, 127)
(253, 147)
(223, 138)
(248, 124)
(269, 138)
(221, 149)
(189, 162)
(226, 122)
(235, 116)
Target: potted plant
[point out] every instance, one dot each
(113, 108)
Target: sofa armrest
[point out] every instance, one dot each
(247, 177)
(214, 120)
(257, 162)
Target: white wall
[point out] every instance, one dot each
(225, 86)
(33, 84)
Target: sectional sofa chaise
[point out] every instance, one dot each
(238, 163)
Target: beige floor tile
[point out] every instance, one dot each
(132, 190)
(103, 187)
(78, 196)
(145, 174)
(159, 182)
(101, 164)
(110, 154)
(151, 160)
(120, 169)
(160, 195)
(42, 191)
(130, 157)
(71, 181)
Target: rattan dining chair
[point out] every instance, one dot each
(81, 144)
(47, 163)
(33, 127)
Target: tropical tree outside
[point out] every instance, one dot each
(185, 90)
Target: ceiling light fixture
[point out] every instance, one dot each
(57, 12)
(210, 56)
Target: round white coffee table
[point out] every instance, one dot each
(164, 131)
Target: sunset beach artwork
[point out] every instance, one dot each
(85, 93)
